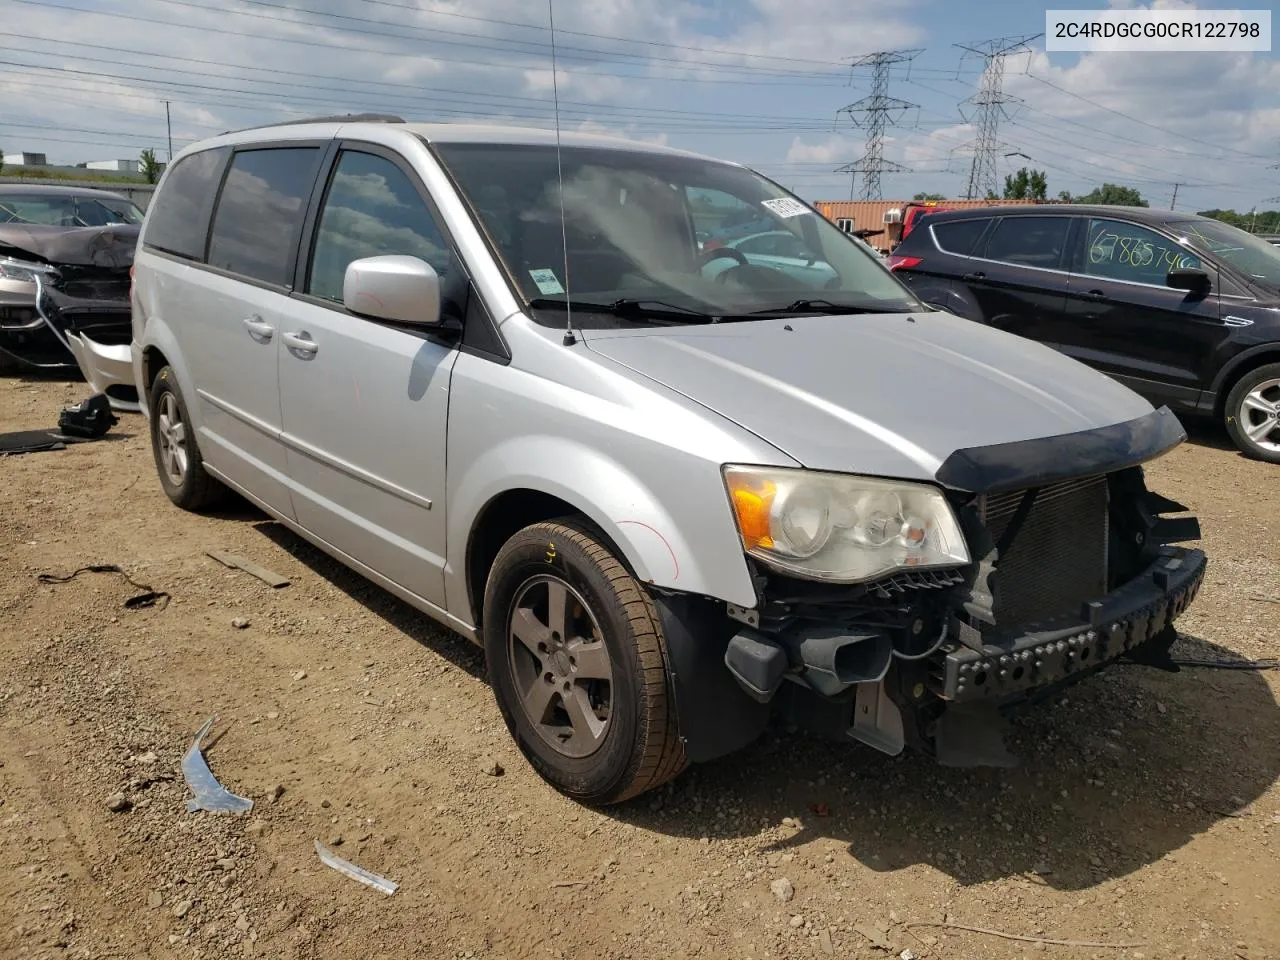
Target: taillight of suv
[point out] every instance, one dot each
(896, 262)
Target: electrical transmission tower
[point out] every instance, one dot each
(989, 104)
(876, 112)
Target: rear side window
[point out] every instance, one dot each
(1029, 241)
(255, 228)
(958, 236)
(178, 219)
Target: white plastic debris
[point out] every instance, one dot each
(329, 858)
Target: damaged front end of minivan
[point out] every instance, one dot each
(66, 303)
(1072, 565)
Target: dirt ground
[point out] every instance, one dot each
(1146, 812)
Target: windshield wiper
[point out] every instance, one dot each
(824, 306)
(627, 307)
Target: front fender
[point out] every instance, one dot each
(682, 537)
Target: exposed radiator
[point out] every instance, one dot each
(1058, 557)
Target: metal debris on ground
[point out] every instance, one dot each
(210, 795)
(235, 562)
(149, 598)
(358, 874)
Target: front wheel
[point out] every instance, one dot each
(1253, 413)
(577, 661)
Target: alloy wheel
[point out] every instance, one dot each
(561, 666)
(1259, 415)
(171, 434)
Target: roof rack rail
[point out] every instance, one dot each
(344, 118)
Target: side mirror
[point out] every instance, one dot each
(1192, 279)
(396, 288)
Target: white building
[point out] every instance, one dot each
(116, 166)
(25, 160)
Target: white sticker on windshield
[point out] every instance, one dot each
(546, 280)
(785, 207)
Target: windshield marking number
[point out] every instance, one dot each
(785, 207)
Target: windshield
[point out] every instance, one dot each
(64, 210)
(1251, 256)
(695, 234)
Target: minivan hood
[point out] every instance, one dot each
(891, 395)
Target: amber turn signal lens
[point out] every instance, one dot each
(752, 503)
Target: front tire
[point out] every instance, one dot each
(173, 443)
(1253, 413)
(577, 661)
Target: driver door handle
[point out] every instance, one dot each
(976, 275)
(259, 329)
(1095, 294)
(300, 344)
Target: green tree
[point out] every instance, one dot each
(928, 196)
(1065, 196)
(1026, 185)
(1114, 195)
(149, 166)
(1254, 221)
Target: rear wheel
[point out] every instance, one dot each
(173, 443)
(1253, 413)
(577, 662)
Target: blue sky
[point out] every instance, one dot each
(757, 81)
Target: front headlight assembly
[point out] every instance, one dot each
(24, 270)
(842, 528)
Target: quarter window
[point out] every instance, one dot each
(959, 236)
(1029, 241)
(1126, 251)
(178, 220)
(256, 225)
(372, 209)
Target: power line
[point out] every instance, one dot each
(717, 51)
(990, 101)
(874, 111)
(193, 91)
(780, 79)
(1145, 123)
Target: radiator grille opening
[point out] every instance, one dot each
(1058, 558)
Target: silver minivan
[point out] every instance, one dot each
(529, 384)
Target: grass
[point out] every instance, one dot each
(39, 173)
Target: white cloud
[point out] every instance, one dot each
(1217, 108)
(833, 149)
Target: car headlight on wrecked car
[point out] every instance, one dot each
(842, 528)
(23, 270)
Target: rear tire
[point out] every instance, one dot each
(1252, 405)
(585, 692)
(173, 444)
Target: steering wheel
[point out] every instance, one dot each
(706, 256)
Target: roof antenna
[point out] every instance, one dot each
(569, 338)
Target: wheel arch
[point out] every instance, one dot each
(506, 514)
(683, 548)
(156, 350)
(1240, 366)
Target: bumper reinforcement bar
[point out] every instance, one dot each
(1128, 617)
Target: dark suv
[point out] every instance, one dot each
(1182, 309)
